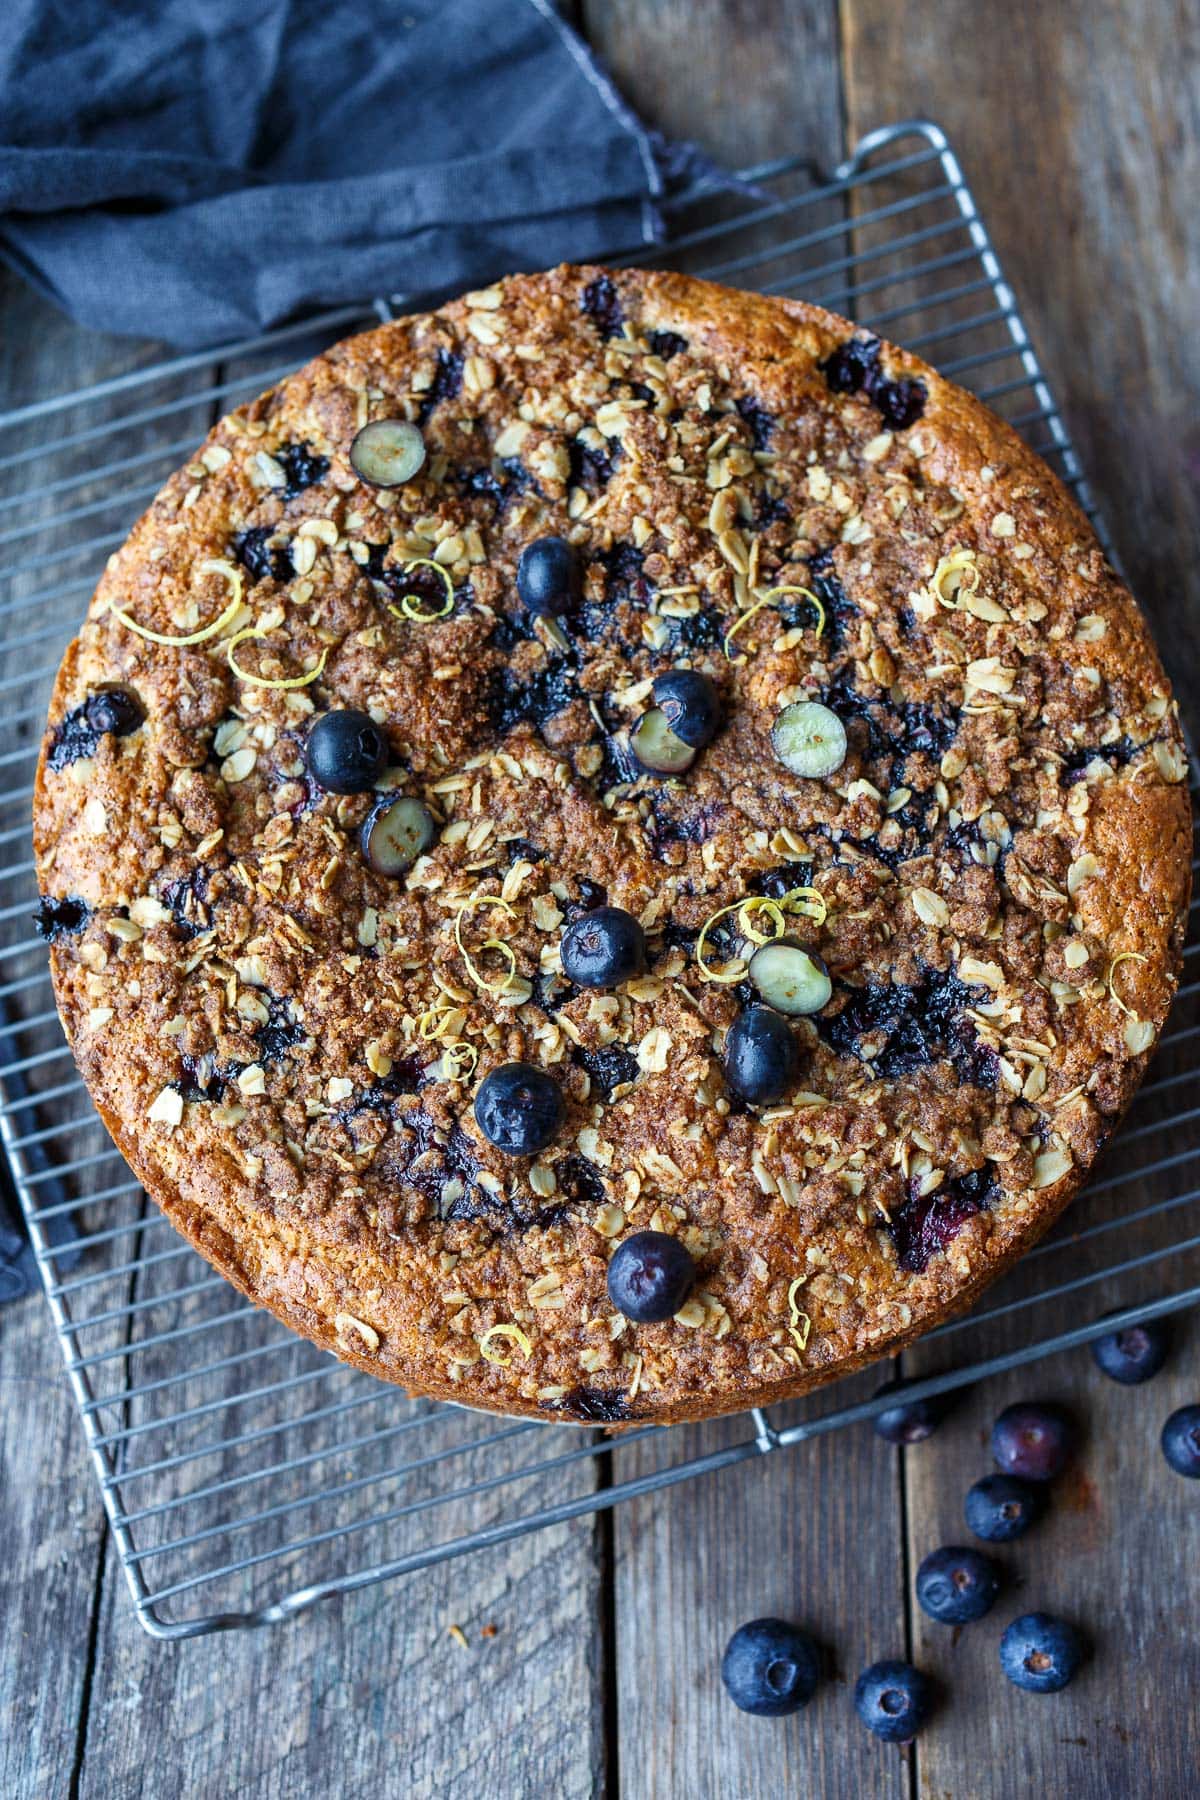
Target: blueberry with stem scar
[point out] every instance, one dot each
(603, 948)
(518, 1108)
(346, 752)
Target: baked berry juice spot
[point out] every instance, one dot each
(613, 851)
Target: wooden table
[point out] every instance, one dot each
(1077, 124)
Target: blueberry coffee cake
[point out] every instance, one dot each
(612, 851)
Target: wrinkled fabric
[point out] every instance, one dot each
(200, 170)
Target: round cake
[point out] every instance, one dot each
(612, 851)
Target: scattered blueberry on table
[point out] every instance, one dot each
(770, 1668)
(1033, 1441)
(1039, 1653)
(957, 1584)
(893, 1700)
(650, 1276)
(999, 1508)
(1181, 1441)
(1135, 1353)
(909, 1421)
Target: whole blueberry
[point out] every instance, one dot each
(601, 949)
(1181, 1441)
(691, 705)
(1002, 1507)
(957, 1584)
(909, 1421)
(1040, 1653)
(1032, 1440)
(346, 752)
(761, 1057)
(770, 1667)
(893, 1700)
(548, 575)
(650, 1276)
(518, 1108)
(1133, 1354)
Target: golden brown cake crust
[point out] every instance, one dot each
(285, 1044)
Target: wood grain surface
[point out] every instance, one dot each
(1079, 129)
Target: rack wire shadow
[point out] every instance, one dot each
(245, 1473)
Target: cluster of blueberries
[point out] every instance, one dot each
(771, 1667)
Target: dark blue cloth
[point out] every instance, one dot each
(198, 170)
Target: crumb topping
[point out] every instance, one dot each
(286, 1041)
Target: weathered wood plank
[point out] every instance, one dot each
(1083, 164)
(812, 1535)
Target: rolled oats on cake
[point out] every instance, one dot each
(612, 851)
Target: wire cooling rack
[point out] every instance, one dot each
(245, 1473)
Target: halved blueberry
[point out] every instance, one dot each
(657, 747)
(691, 705)
(398, 828)
(387, 452)
(809, 739)
(346, 752)
(548, 576)
(789, 978)
(650, 1276)
(518, 1108)
(603, 948)
(770, 1668)
(761, 1057)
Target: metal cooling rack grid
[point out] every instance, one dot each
(246, 1474)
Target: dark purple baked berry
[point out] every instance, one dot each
(909, 1421)
(602, 304)
(893, 1700)
(548, 576)
(346, 752)
(602, 949)
(770, 1668)
(1000, 1508)
(762, 1057)
(957, 1584)
(690, 704)
(518, 1108)
(56, 919)
(1133, 1354)
(397, 830)
(1181, 1441)
(1040, 1653)
(113, 712)
(650, 1276)
(1033, 1441)
(901, 402)
(666, 344)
